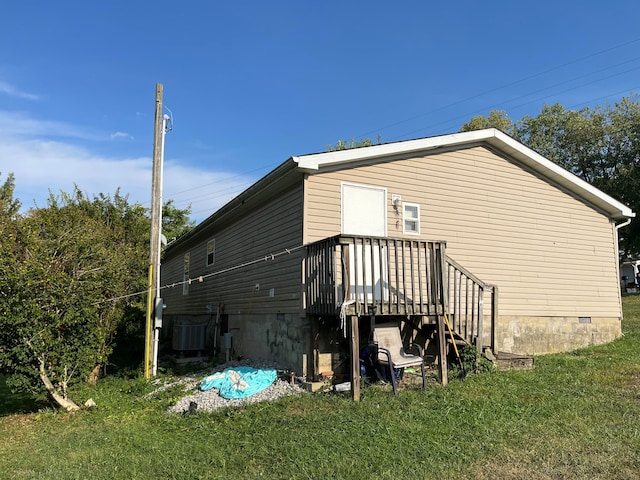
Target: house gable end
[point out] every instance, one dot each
(498, 141)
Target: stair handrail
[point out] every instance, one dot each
(479, 304)
(477, 280)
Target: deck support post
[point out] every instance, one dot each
(314, 361)
(355, 358)
(442, 351)
(443, 289)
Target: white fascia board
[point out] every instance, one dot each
(492, 136)
(316, 161)
(559, 175)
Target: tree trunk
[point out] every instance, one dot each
(65, 403)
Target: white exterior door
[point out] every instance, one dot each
(364, 213)
(368, 273)
(364, 210)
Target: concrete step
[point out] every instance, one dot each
(512, 361)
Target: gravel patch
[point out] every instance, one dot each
(198, 401)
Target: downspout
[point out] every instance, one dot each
(623, 224)
(618, 227)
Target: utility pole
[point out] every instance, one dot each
(159, 304)
(152, 327)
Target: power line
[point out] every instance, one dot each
(202, 278)
(223, 192)
(271, 256)
(544, 72)
(235, 190)
(468, 115)
(224, 179)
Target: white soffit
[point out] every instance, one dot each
(491, 136)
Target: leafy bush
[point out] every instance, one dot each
(471, 361)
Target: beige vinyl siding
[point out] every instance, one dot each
(549, 253)
(257, 231)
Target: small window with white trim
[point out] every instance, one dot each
(211, 252)
(185, 275)
(411, 218)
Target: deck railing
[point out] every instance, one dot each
(350, 274)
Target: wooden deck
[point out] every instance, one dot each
(353, 275)
(349, 275)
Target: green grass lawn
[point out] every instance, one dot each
(575, 415)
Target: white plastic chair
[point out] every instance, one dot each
(392, 354)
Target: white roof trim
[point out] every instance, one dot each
(495, 138)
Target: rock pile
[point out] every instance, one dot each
(196, 400)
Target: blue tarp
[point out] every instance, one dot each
(239, 382)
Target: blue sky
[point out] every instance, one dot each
(250, 84)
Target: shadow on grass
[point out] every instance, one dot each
(15, 403)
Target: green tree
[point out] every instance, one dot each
(65, 272)
(601, 145)
(9, 206)
(175, 221)
(69, 274)
(496, 119)
(353, 143)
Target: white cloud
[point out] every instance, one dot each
(21, 124)
(41, 165)
(121, 135)
(205, 191)
(13, 92)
